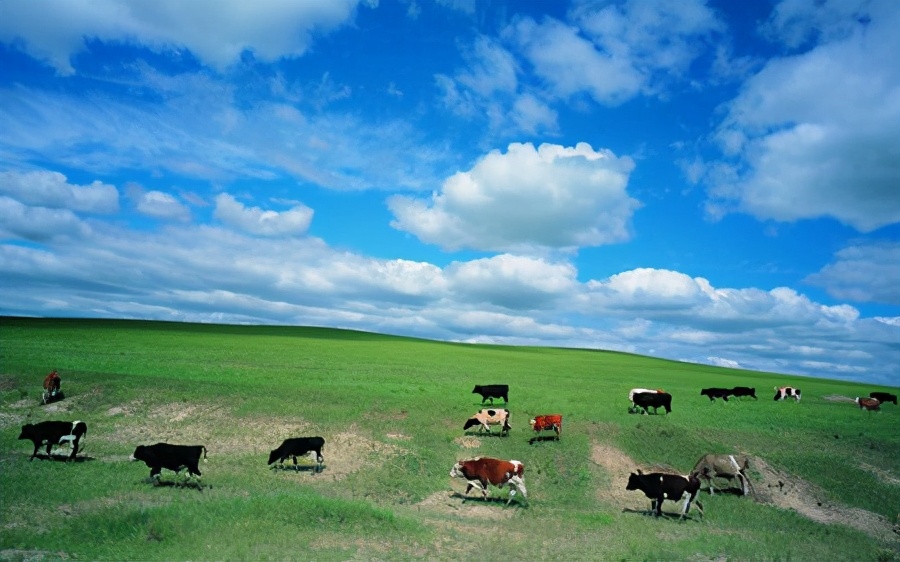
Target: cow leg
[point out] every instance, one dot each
(743, 480)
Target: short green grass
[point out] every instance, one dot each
(391, 410)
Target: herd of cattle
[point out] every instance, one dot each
(478, 472)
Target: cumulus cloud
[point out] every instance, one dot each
(547, 197)
(513, 282)
(254, 220)
(216, 32)
(37, 224)
(815, 134)
(51, 189)
(160, 205)
(864, 272)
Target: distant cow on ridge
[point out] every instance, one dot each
(491, 391)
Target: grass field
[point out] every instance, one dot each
(826, 475)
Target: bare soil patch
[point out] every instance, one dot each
(786, 491)
(882, 475)
(468, 442)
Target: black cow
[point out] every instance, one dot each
(653, 400)
(491, 391)
(673, 487)
(884, 397)
(170, 457)
(54, 433)
(298, 447)
(740, 391)
(714, 393)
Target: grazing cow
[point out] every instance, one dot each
(298, 447)
(673, 487)
(491, 391)
(646, 400)
(170, 457)
(54, 433)
(714, 393)
(549, 421)
(723, 466)
(884, 397)
(782, 392)
(870, 404)
(484, 419)
(740, 391)
(481, 471)
(634, 391)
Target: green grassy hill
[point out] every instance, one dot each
(391, 409)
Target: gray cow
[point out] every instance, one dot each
(723, 466)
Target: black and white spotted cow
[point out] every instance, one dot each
(54, 433)
(673, 487)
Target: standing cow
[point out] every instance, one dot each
(884, 397)
(551, 422)
(54, 433)
(485, 418)
(491, 391)
(659, 487)
(171, 457)
(723, 466)
(298, 447)
(869, 404)
(782, 392)
(714, 393)
(645, 400)
(481, 471)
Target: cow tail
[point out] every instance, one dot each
(204, 452)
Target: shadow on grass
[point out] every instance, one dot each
(315, 469)
(541, 438)
(671, 516)
(485, 434)
(490, 500)
(191, 484)
(63, 458)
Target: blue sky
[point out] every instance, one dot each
(714, 182)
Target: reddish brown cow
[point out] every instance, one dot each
(481, 471)
(870, 404)
(549, 421)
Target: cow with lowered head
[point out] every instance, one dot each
(298, 447)
(171, 457)
(485, 418)
(673, 487)
(884, 397)
(645, 400)
(54, 433)
(723, 466)
(782, 392)
(870, 404)
(481, 471)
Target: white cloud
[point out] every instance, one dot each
(162, 206)
(254, 220)
(217, 32)
(37, 223)
(864, 272)
(816, 134)
(50, 189)
(512, 282)
(549, 197)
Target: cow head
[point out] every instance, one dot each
(27, 431)
(138, 454)
(274, 456)
(471, 422)
(634, 481)
(456, 471)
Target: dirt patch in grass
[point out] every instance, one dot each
(882, 475)
(474, 508)
(468, 442)
(838, 398)
(786, 491)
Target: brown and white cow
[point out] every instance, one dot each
(487, 417)
(870, 404)
(552, 422)
(481, 471)
(782, 392)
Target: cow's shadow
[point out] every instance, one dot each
(541, 438)
(485, 434)
(490, 500)
(63, 458)
(191, 484)
(315, 469)
(669, 516)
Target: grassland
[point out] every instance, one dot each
(391, 409)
